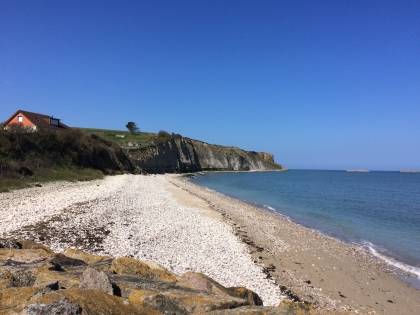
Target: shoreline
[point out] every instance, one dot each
(184, 227)
(367, 282)
(405, 270)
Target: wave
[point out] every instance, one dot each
(392, 261)
(214, 191)
(270, 208)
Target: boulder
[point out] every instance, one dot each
(62, 306)
(65, 280)
(87, 258)
(5, 279)
(12, 297)
(75, 285)
(92, 279)
(23, 278)
(199, 281)
(91, 302)
(23, 256)
(27, 244)
(147, 269)
(284, 308)
(246, 294)
(10, 244)
(180, 303)
(125, 284)
(66, 262)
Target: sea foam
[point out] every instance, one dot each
(391, 261)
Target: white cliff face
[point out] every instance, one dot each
(180, 154)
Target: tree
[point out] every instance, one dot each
(132, 127)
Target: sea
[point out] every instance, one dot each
(377, 210)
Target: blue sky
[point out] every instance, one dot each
(320, 84)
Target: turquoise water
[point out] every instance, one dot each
(379, 210)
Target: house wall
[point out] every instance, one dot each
(25, 121)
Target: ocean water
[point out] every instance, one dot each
(378, 210)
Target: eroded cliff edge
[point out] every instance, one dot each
(179, 155)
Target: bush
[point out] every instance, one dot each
(163, 134)
(69, 155)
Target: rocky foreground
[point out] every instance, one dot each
(34, 280)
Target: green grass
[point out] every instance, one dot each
(7, 184)
(70, 175)
(49, 175)
(142, 138)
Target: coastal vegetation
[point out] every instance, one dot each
(132, 141)
(27, 158)
(121, 137)
(132, 127)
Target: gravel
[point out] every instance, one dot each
(135, 216)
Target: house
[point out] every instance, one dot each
(34, 121)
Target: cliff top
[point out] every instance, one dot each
(145, 139)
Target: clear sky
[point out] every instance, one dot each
(320, 84)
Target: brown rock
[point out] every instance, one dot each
(174, 302)
(199, 281)
(27, 244)
(5, 279)
(65, 280)
(12, 297)
(23, 278)
(289, 307)
(66, 262)
(284, 308)
(246, 294)
(10, 244)
(92, 279)
(87, 258)
(250, 310)
(47, 266)
(62, 306)
(92, 302)
(23, 256)
(148, 269)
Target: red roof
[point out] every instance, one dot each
(39, 120)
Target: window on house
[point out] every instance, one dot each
(19, 118)
(53, 121)
(36, 118)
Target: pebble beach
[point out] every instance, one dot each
(134, 216)
(184, 227)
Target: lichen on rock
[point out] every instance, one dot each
(41, 282)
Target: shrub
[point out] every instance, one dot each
(132, 127)
(163, 134)
(46, 155)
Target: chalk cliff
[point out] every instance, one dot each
(177, 154)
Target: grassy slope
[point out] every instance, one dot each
(142, 138)
(27, 158)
